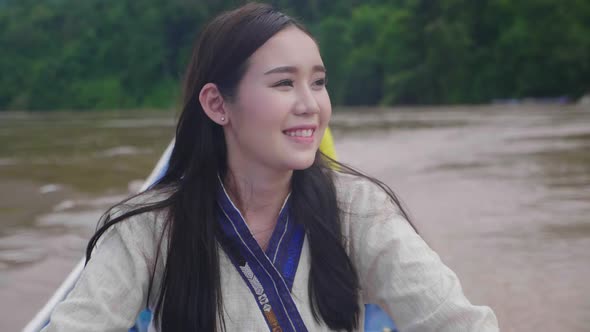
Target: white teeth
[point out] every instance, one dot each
(300, 133)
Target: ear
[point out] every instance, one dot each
(213, 104)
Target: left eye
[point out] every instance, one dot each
(321, 82)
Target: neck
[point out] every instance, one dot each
(258, 193)
(260, 199)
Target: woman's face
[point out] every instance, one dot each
(282, 108)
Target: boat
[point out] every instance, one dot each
(375, 319)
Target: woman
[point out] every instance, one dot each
(251, 228)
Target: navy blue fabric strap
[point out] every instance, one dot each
(270, 283)
(286, 253)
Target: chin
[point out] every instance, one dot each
(300, 163)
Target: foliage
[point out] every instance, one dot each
(68, 54)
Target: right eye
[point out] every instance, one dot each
(284, 83)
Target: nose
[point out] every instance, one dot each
(306, 102)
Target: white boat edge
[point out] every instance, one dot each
(42, 317)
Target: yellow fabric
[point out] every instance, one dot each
(327, 144)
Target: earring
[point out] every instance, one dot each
(223, 118)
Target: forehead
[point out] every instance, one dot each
(289, 47)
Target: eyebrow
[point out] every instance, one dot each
(292, 70)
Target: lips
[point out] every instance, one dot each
(301, 134)
(300, 131)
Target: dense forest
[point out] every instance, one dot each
(106, 54)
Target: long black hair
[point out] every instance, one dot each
(191, 279)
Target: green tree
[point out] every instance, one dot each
(68, 54)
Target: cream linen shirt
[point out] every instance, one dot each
(397, 271)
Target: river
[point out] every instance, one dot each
(502, 193)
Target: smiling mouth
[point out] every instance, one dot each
(299, 133)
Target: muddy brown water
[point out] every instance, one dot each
(502, 193)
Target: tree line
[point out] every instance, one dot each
(101, 54)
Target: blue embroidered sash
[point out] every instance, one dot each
(269, 275)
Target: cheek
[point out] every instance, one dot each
(262, 110)
(267, 106)
(325, 108)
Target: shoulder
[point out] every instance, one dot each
(348, 185)
(143, 226)
(359, 194)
